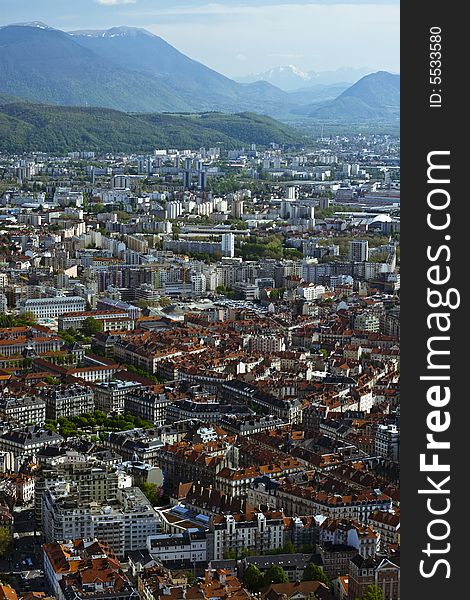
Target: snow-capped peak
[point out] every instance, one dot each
(37, 24)
(111, 33)
(297, 71)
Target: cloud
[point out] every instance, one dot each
(315, 36)
(115, 2)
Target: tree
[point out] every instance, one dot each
(91, 326)
(230, 554)
(151, 492)
(372, 592)
(190, 578)
(97, 208)
(6, 321)
(5, 541)
(165, 301)
(275, 574)
(315, 573)
(26, 318)
(288, 548)
(253, 578)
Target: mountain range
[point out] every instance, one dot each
(132, 70)
(122, 68)
(291, 78)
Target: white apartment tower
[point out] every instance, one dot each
(228, 245)
(359, 250)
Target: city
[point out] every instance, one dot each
(200, 368)
(200, 271)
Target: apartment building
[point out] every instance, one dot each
(180, 549)
(124, 523)
(381, 571)
(151, 406)
(67, 401)
(23, 410)
(109, 395)
(256, 531)
(51, 308)
(112, 320)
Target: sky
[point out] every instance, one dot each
(241, 37)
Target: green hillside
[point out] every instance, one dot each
(32, 127)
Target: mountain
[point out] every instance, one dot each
(375, 97)
(133, 70)
(201, 87)
(291, 78)
(47, 65)
(122, 68)
(26, 127)
(287, 78)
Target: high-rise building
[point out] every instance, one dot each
(173, 210)
(187, 178)
(141, 164)
(198, 282)
(359, 250)
(237, 208)
(291, 192)
(286, 204)
(202, 180)
(228, 245)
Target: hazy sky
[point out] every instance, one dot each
(239, 37)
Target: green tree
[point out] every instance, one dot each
(90, 326)
(372, 592)
(5, 541)
(26, 318)
(275, 574)
(230, 554)
(190, 578)
(165, 301)
(6, 321)
(253, 578)
(315, 573)
(97, 208)
(151, 492)
(289, 548)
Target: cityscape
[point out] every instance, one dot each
(199, 349)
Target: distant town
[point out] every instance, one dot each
(199, 373)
